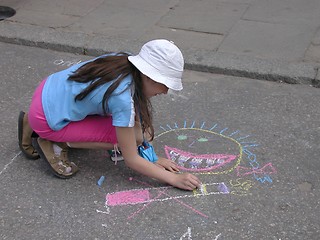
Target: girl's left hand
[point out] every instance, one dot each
(168, 164)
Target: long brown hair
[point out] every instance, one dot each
(108, 68)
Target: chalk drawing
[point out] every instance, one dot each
(11, 161)
(205, 150)
(190, 139)
(266, 169)
(147, 195)
(216, 238)
(104, 212)
(235, 159)
(106, 209)
(188, 235)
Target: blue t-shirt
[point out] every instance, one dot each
(60, 107)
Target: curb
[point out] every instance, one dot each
(195, 59)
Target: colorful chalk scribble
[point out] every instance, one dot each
(201, 151)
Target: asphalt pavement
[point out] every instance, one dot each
(254, 145)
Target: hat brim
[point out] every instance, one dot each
(153, 73)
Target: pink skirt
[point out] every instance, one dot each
(93, 128)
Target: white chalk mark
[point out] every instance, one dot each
(187, 233)
(11, 161)
(217, 236)
(202, 189)
(105, 212)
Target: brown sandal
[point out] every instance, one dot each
(25, 134)
(59, 165)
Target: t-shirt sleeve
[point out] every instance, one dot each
(121, 108)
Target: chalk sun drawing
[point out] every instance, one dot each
(200, 150)
(212, 149)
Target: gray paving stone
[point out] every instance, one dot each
(116, 21)
(316, 39)
(246, 66)
(15, 4)
(150, 5)
(285, 11)
(203, 16)
(268, 40)
(313, 53)
(317, 80)
(43, 37)
(185, 39)
(99, 45)
(74, 7)
(238, 1)
(52, 20)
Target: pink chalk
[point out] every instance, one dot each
(128, 197)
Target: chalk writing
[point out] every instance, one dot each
(240, 186)
(61, 62)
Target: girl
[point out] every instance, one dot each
(104, 104)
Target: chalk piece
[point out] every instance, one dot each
(100, 181)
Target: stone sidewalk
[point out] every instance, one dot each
(277, 40)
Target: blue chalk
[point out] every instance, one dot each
(100, 181)
(223, 188)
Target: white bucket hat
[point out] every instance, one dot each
(162, 61)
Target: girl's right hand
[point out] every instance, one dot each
(186, 181)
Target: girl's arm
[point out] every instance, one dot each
(127, 143)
